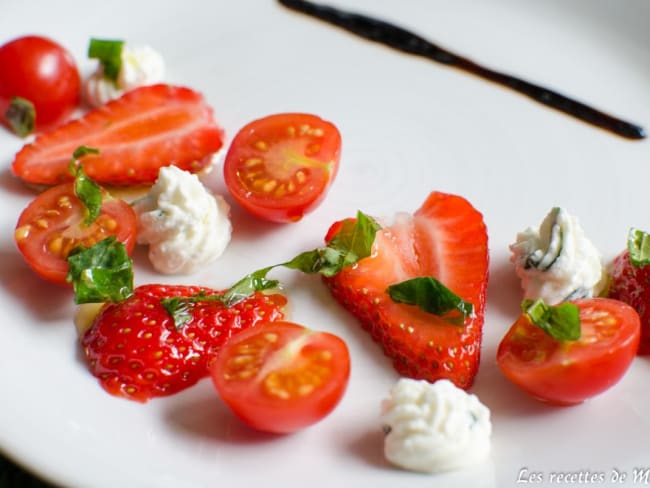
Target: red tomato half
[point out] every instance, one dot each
(569, 372)
(280, 167)
(52, 225)
(43, 72)
(281, 377)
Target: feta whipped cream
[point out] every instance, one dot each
(434, 427)
(556, 261)
(140, 66)
(184, 225)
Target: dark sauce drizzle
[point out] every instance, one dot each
(408, 42)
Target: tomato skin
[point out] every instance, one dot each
(569, 372)
(43, 72)
(280, 167)
(266, 392)
(58, 213)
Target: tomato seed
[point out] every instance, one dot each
(261, 146)
(22, 232)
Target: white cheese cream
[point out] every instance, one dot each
(140, 66)
(556, 261)
(434, 427)
(184, 225)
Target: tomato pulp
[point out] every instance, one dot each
(569, 372)
(280, 167)
(280, 377)
(52, 225)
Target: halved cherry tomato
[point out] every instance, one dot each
(569, 372)
(281, 377)
(43, 72)
(52, 225)
(280, 167)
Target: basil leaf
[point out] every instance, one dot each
(638, 245)
(431, 296)
(248, 285)
(86, 189)
(21, 116)
(101, 273)
(109, 54)
(352, 243)
(179, 309)
(561, 321)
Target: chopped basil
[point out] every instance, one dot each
(21, 116)
(248, 285)
(101, 273)
(432, 297)
(86, 189)
(179, 309)
(352, 243)
(109, 54)
(638, 244)
(561, 321)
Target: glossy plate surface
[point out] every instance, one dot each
(409, 127)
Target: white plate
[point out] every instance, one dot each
(409, 127)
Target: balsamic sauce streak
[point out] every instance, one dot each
(401, 39)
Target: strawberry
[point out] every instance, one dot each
(138, 351)
(631, 284)
(145, 129)
(445, 239)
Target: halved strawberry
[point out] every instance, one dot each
(138, 351)
(631, 284)
(446, 239)
(145, 129)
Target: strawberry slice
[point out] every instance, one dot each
(137, 134)
(138, 351)
(445, 239)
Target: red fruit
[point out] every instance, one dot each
(631, 284)
(137, 134)
(43, 72)
(137, 352)
(446, 239)
(566, 372)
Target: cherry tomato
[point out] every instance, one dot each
(52, 225)
(42, 72)
(569, 372)
(280, 167)
(281, 377)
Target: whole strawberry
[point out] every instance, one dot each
(445, 239)
(630, 281)
(150, 345)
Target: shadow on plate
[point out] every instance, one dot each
(504, 290)
(11, 184)
(47, 302)
(368, 447)
(207, 417)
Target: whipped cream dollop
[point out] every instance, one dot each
(184, 224)
(140, 66)
(556, 261)
(433, 427)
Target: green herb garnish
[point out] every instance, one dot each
(101, 273)
(352, 243)
(638, 244)
(561, 321)
(109, 54)
(86, 189)
(432, 297)
(21, 116)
